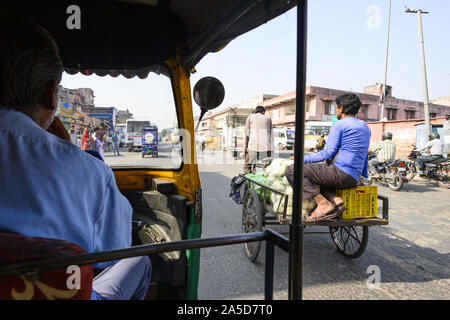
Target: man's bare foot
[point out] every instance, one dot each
(333, 198)
(323, 207)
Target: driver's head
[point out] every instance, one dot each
(30, 69)
(347, 104)
(433, 136)
(260, 109)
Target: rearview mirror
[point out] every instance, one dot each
(209, 93)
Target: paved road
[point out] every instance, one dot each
(412, 252)
(167, 158)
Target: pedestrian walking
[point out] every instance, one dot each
(99, 143)
(258, 138)
(115, 142)
(73, 135)
(86, 140)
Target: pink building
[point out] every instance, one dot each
(320, 106)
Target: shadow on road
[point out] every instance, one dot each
(399, 260)
(227, 273)
(425, 186)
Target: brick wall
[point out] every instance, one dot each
(404, 133)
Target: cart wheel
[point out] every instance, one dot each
(350, 241)
(251, 222)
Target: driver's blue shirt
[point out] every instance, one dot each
(51, 188)
(349, 138)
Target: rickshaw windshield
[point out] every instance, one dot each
(133, 122)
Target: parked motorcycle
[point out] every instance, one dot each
(392, 173)
(437, 170)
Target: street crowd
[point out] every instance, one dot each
(95, 141)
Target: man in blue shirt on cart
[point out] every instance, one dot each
(340, 164)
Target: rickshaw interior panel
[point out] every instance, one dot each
(134, 38)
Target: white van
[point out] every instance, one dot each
(283, 138)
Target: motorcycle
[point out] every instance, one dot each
(392, 173)
(437, 170)
(411, 165)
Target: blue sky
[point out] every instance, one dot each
(346, 50)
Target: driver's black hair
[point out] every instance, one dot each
(350, 102)
(260, 109)
(29, 59)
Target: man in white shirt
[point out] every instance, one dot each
(258, 135)
(434, 147)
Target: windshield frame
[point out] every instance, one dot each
(147, 168)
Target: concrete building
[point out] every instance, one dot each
(106, 114)
(442, 101)
(403, 115)
(320, 106)
(76, 98)
(226, 124)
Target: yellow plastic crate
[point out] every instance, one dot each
(360, 202)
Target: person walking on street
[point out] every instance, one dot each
(73, 135)
(115, 141)
(258, 138)
(99, 143)
(86, 140)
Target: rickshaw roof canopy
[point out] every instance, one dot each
(135, 37)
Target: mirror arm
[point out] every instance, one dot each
(203, 112)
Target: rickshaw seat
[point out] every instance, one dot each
(49, 284)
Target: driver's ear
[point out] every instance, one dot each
(50, 99)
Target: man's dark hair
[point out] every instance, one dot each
(350, 102)
(260, 109)
(29, 60)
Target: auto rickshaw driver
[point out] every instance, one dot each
(42, 198)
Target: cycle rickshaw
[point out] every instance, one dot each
(349, 233)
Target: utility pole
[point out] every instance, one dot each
(383, 91)
(424, 71)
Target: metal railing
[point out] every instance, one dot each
(271, 237)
